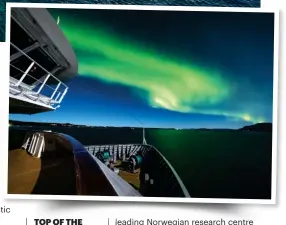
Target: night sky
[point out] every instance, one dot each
(167, 69)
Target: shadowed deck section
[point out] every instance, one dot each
(54, 173)
(47, 175)
(23, 172)
(64, 168)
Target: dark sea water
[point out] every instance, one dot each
(217, 3)
(212, 164)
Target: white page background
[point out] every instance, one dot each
(98, 212)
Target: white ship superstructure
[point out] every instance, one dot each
(41, 61)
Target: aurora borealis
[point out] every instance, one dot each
(167, 83)
(200, 69)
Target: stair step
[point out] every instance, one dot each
(14, 90)
(31, 95)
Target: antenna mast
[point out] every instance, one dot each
(144, 140)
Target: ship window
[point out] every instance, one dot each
(19, 37)
(43, 59)
(36, 73)
(20, 65)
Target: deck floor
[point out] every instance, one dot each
(132, 178)
(23, 172)
(51, 175)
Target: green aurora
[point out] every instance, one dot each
(162, 81)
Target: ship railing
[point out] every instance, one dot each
(40, 91)
(119, 151)
(34, 144)
(92, 177)
(122, 151)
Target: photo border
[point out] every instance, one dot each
(153, 199)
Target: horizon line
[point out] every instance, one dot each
(140, 126)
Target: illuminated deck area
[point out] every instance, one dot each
(132, 178)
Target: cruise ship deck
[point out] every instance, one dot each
(30, 175)
(51, 163)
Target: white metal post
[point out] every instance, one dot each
(58, 96)
(123, 155)
(119, 151)
(40, 146)
(24, 75)
(56, 90)
(32, 146)
(114, 156)
(144, 140)
(43, 84)
(26, 141)
(35, 147)
(63, 95)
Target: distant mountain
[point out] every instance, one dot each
(213, 129)
(42, 124)
(259, 127)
